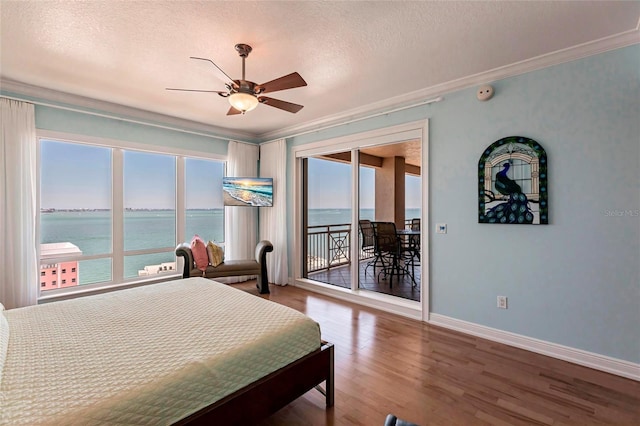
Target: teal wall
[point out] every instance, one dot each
(576, 281)
(48, 118)
(80, 123)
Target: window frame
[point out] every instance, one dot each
(117, 254)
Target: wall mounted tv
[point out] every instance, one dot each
(247, 191)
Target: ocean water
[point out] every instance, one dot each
(146, 229)
(91, 232)
(248, 192)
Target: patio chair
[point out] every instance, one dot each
(389, 247)
(414, 240)
(368, 244)
(411, 248)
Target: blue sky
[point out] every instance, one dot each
(330, 186)
(75, 176)
(204, 183)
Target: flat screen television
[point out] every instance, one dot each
(247, 191)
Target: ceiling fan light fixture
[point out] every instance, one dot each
(245, 95)
(243, 102)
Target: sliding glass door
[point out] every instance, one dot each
(342, 249)
(382, 173)
(389, 199)
(327, 212)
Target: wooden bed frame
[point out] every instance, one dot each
(264, 397)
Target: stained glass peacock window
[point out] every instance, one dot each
(512, 182)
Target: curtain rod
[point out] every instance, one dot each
(129, 120)
(378, 114)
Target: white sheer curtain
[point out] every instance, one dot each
(241, 222)
(273, 220)
(18, 256)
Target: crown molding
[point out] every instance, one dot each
(84, 104)
(569, 54)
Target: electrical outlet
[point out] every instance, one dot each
(502, 302)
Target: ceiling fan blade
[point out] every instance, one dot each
(287, 106)
(197, 90)
(287, 82)
(233, 111)
(220, 74)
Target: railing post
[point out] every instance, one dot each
(328, 244)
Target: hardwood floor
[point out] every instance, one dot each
(433, 376)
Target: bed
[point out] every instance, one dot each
(182, 352)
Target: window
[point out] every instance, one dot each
(43, 273)
(43, 284)
(110, 214)
(149, 210)
(205, 214)
(75, 202)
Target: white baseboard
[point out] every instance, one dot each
(577, 356)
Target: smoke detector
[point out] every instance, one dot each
(485, 92)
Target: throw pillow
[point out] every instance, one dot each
(216, 254)
(199, 251)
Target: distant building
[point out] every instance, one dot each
(58, 275)
(162, 268)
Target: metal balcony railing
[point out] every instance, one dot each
(329, 246)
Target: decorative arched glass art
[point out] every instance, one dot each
(512, 183)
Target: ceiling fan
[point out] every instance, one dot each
(245, 95)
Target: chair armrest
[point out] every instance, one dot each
(184, 250)
(262, 248)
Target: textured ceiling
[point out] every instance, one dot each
(350, 53)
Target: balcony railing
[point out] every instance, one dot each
(329, 246)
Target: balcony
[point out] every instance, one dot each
(328, 261)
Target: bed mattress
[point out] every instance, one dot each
(148, 355)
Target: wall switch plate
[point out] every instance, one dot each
(502, 302)
(441, 228)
